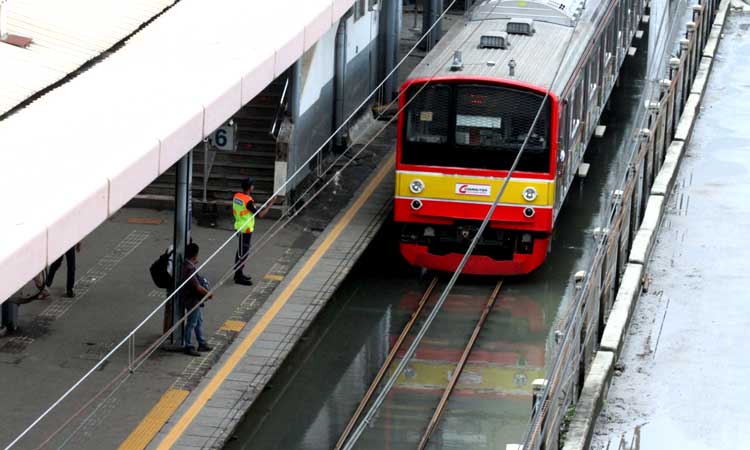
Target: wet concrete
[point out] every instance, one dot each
(682, 374)
(316, 390)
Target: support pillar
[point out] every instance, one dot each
(182, 215)
(431, 12)
(391, 33)
(295, 89)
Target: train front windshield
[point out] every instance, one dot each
(475, 126)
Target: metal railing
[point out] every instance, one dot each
(274, 132)
(596, 288)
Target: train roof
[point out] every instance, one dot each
(536, 57)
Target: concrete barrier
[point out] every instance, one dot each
(590, 402)
(640, 250)
(622, 309)
(665, 179)
(644, 238)
(687, 120)
(701, 76)
(713, 38)
(597, 381)
(652, 216)
(712, 43)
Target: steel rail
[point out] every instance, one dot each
(432, 425)
(388, 360)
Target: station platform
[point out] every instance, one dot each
(250, 328)
(680, 381)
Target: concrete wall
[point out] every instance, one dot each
(315, 122)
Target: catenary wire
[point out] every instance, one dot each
(377, 402)
(267, 203)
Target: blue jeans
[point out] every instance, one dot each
(194, 322)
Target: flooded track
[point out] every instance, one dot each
(310, 401)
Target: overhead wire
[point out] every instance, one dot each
(409, 353)
(251, 216)
(296, 211)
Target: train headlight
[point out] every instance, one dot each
(416, 186)
(528, 213)
(529, 194)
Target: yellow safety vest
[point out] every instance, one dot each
(244, 220)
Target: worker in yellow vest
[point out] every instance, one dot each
(245, 212)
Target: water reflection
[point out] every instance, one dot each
(493, 394)
(315, 392)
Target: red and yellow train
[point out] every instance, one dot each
(469, 106)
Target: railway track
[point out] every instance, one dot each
(397, 347)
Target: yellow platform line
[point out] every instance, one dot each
(182, 423)
(142, 435)
(233, 325)
(272, 277)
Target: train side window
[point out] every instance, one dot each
(602, 67)
(565, 126)
(594, 78)
(577, 112)
(591, 88)
(595, 69)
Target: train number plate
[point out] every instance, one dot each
(482, 190)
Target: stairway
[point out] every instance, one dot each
(255, 157)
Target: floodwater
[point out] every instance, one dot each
(312, 397)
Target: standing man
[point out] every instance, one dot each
(244, 211)
(191, 295)
(70, 263)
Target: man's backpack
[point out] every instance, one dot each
(160, 273)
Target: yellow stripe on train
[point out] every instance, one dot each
(473, 189)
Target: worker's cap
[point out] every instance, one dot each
(247, 183)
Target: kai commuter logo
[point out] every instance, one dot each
(481, 190)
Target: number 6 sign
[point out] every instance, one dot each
(224, 138)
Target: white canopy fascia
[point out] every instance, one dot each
(78, 154)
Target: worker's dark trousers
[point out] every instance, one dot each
(243, 249)
(70, 262)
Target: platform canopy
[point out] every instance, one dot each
(57, 37)
(77, 154)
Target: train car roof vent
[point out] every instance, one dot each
(520, 26)
(458, 62)
(494, 39)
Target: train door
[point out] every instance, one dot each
(593, 98)
(611, 55)
(600, 72)
(583, 88)
(563, 159)
(576, 127)
(626, 20)
(620, 38)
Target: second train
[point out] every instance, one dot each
(469, 106)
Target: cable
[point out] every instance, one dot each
(443, 296)
(171, 296)
(274, 233)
